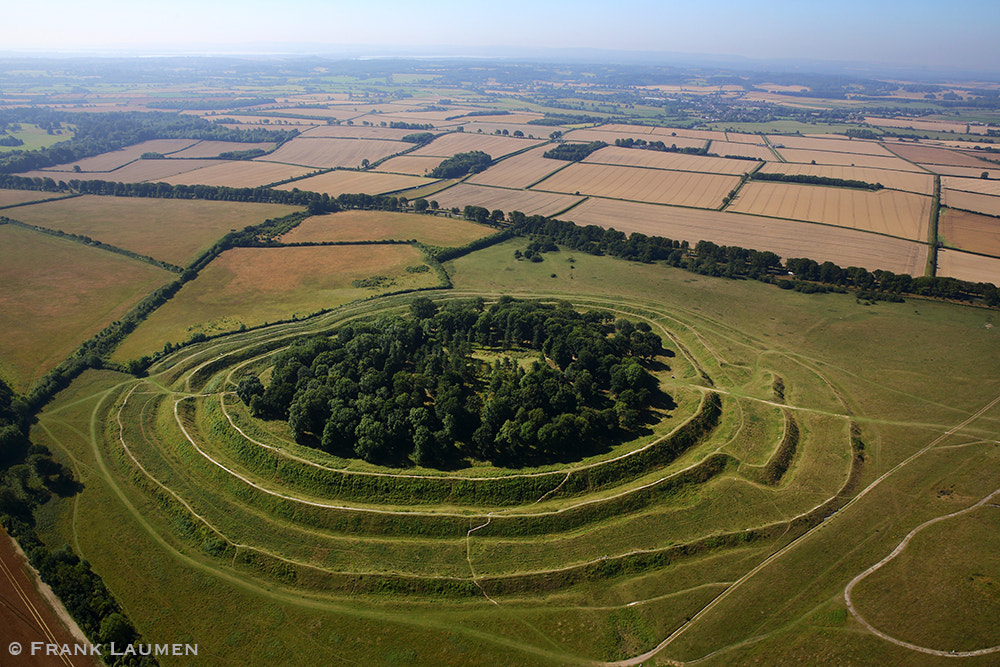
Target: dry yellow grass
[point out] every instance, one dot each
(415, 165)
(250, 286)
(847, 159)
(966, 266)
(971, 201)
(935, 155)
(323, 152)
(910, 181)
(892, 212)
(637, 157)
(519, 171)
(609, 137)
(525, 201)
(56, 294)
(171, 230)
(334, 183)
(657, 186)
(980, 185)
(106, 162)
(788, 238)
(836, 145)
(462, 142)
(757, 150)
(385, 226)
(970, 231)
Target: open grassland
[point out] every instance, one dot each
(238, 174)
(35, 137)
(837, 145)
(386, 226)
(275, 549)
(327, 153)
(758, 151)
(338, 182)
(971, 201)
(966, 266)
(207, 149)
(846, 159)
(519, 171)
(891, 212)
(980, 185)
(932, 155)
(634, 157)
(416, 165)
(920, 183)
(248, 287)
(528, 202)
(609, 137)
(170, 230)
(969, 231)
(787, 238)
(462, 142)
(656, 186)
(106, 162)
(56, 294)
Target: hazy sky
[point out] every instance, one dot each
(961, 33)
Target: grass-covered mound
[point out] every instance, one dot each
(442, 385)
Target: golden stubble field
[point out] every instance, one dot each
(386, 226)
(971, 201)
(528, 202)
(901, 214)
(325, 152)
(920, 183)
(338, 182)
(970, 231)
(636, 157)
(519, 171)
(657, 186)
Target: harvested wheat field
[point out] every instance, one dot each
(250, 286)
(981, 185)
(462, 142)
(971, 201)
(847, 159)
(142, 171)
(16, 197)
(112, 160)
(415, 165)
(608, 137)
(519, 171)
(836, 145)
(923, 125)
(170, 230)
(338, 182)
(637, 157)
(910, 181)
(787, 238)
(322, 152)
(474, 126)
(970, 231)
(354, 132)
(901, 214)
(528, 202)
(704, 135)
(387, 226)
(933, 155)
(968, 172)
(751, 150)
(237, 174)
(656, 186)
(966, 266)
(209, 149)
(743, 138)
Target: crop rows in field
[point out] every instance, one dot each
(656, 186)
(966, 266)
(937, 156)
(758, 151)
(891, 212)
(978, 185)
(326, 153)
(846, 159)
(519, 171)
(414, 165)
(609, 137)
(970, 231)
(837, 145)
(634, 157)
(110, 161)
(495, 146)
(528, 202)
(920, 183)
(971, 201)
(337, 182)
(787, 238)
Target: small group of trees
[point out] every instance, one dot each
(461, 164)
(409, 389)
(573, 152)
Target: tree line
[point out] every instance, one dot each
(409, 389)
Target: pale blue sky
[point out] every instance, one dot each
(961, 33)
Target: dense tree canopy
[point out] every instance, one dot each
(461, 164)
(412, 388)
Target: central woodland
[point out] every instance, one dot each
(519, 383)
